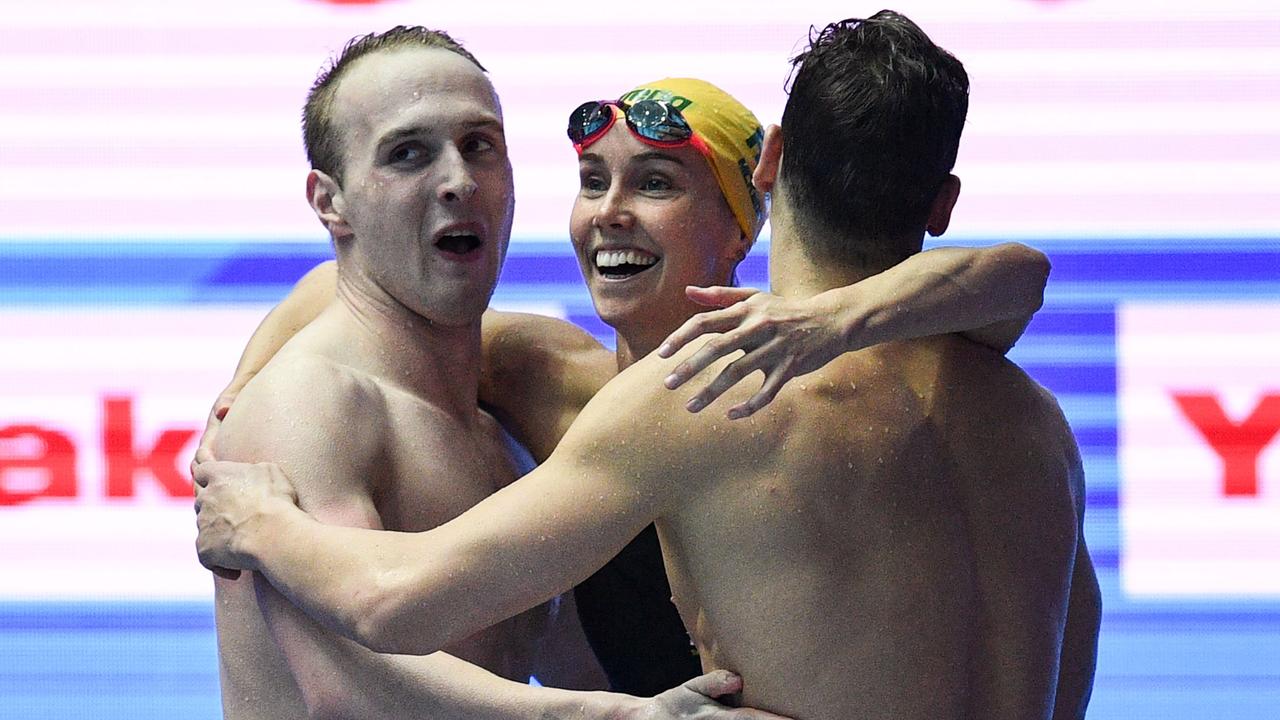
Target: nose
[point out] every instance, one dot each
(614, 210)
(456, 181)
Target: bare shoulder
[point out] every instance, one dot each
(980, 386)
(303, 406)
(637, 408)
(516, 344)
(1007, 436)
(537, 373)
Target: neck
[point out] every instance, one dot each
(633, 345)
(793, 272)
(639, 336)
(440, 364)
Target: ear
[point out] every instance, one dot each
(766, 174)
(325, 197)
(736, 250)
(943, 203)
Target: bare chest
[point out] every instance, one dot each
(436, 467)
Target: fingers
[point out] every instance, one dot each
(204, 452)
(203, 455)
(723, 320)
(200, 471)
(279, 481)
(715, 683)
(225, 573)
(718, 296)
(768, 391)
(712, 350)
(731, 375)
(707, 322)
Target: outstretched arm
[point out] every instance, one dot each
(337, 677)
(986, 294)
(345, 680)
(418, 592)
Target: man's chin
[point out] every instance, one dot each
(453, 310)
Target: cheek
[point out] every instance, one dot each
(579, 222)
(697, 243)
(500, 188)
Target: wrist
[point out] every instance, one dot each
(850, 315)
(618, 706)
(271, 525)
(590, 705)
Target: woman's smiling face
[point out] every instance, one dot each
(648, 221)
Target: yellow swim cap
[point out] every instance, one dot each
(730, 132)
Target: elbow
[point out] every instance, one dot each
(392, 620)
(330, 696)
(375, 624)
(1032, 268)
(326, 703)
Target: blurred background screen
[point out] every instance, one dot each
(152, 210)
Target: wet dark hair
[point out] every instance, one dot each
(870, 131)
(324, 150)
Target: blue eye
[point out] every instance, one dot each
(407, 153)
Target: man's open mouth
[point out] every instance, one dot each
(459, 244)
(622, 264)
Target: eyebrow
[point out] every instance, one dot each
(642, 157)
(415, 130)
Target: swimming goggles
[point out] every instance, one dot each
(656, 122)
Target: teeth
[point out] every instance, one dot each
(614, 258)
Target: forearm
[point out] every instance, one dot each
(390, 591)
(340, 679)
(988, 294)
(340, 576)
(303, 303)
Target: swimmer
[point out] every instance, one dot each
(641, 191)
(372, 406)
(540, 372)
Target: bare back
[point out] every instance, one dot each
(363, 451)
(894, 541)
